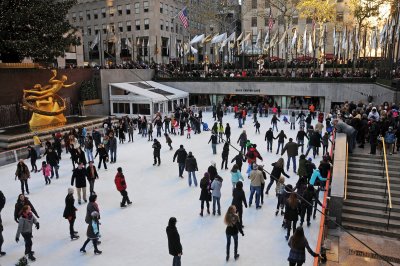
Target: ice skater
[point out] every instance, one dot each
(70, 213)
(120, 183)
(156, 152)
(93, 233)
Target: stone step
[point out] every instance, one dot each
(370, 229)
(371, 198)
(373, 160)
(373, 191)
(392, 167)
(373, 172)
(371, 212)
(373, 157)
(371, 178)
(369, 220)
(371, 205)
(376, 184)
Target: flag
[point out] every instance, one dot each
(310, 45)
(270, 20)
(265, 39)
(351, 42)
(373, 40)
(344, 40)
(194, 51)
(95, 41)
(232, 37)
(183, 16)
(305, 41)
(138, 42)
(294, 39)
(118, 48)
(206, 39)
(283, 36)
(128, 43)
(240, 37)
(382, 35)
(258, 38)
(218, 38)
(194, 38)
(197, 38)
(335, 41)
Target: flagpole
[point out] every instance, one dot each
(101, 53)
(252, 50)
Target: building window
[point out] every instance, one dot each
(171, 11)
(128, 26)
(89, 31)
(164, 46)
(161, 24)
(104, 29)
(145, 6)
(309, 20)
(95, 15)
(137, 23)
(254, 21)
(87, 14)
(103, 12)
(146, 24)
(112, 28)
(167, 25)
(81, 16)
(120, 27)
(339, 16)
(112, 11)
(73, 17)
(172, 25)
(96, 29)
(254, 4)
(295, 20)
(340, 1)
(119, 8)
(137, 8)
(128, 9)
(121, 108)
(161, 7)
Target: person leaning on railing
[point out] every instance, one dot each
(298, 244)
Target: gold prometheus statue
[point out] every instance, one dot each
(47, 106)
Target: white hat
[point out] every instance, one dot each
(70, 190)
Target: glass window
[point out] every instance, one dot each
(254, 21)
(161, 24)
(295, 20)
(112, 11)
(161, 7)
(137, 8)
(128, 26)
(166, 25)
(171, 11)
(144, 109)
(104, 29)
(95, 15)
(81, 16)
(103, 12)
(254, 4)
(88, 14)
(146, 24)
(122, 108)
(119, 8)
(89, 31)
(120, 27)
(137, 23)
(128, 9)
(172, 25)
(146, 6)
(96, 29)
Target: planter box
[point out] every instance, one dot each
(92, 102)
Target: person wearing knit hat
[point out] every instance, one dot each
(70, 213)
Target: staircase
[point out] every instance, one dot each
(364, 208)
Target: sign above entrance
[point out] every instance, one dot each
(247, 90)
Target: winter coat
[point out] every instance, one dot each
(269, 135)
(22, 172)
(252, 155)
(52, 158)
(101, 152)
(302, 167)
(225, 151)
(216, 187)
(227, 131)
(342, 127)
(80, 156)
(18, 208)
(156, 148)
(174, 242)
(212, 171)
(291, 148)
(79, 177)
(236, 176)
(298, 255)
(281, 137)
(316, 174)
(205, 193)
(301, 135)
(181, 154)
(25, 225)
(32, 154)
(309, 196)
(315, 139)
(93, 230)
(46, 170)
(112, 144)
(70, 210)
(309, 168)
(242, 139)
(88, 144)
(120, 182)
(291, 214)
(256, 178)
(191, 164)
(213, 139)
(277, 172)
(235, 226)
(2, 201)
(324, 168)
(89, 174)
(238, 198)
(239, 159)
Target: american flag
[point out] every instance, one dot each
(183, 16)
(270, 21)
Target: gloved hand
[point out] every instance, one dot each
(37, 226)
(16, 239)
(242, 234)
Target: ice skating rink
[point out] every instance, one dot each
(136, 235)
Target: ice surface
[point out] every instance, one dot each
(136, 235)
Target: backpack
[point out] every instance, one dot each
(389, 138)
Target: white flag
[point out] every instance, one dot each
(335, 41)
(258, 38)
(265, 39)
(344, 41)
(373, 40)
(350, 41)
(294, 39)
(128, 43)
(218, 38)
(232, 37)
(382, 35)
(310, 45)
(197, 38)
(194, 51)
(95, 41)
(357, 39)
(305, 41)
(118, 48)
(240, 37)
(283, 36)
(193, 40)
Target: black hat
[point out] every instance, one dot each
(119, 169)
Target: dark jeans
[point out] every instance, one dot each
(216, 201)
(181, 167)
(299, 141)
(125, 198)
(294, 163)
(28, 242)
(295, 263)
(269, 145)
(94, 243)
(305, 209)
(24, 183)
(33, 164)
(176, 261)
(71, 226)
(314, 150)
(224, 161)
(293, 125)
(91, 185)
(228, 243)
(104, 163)
(207, 203)
(262, 193)
(1, 236)
(54, 168)
(280, 144)
(289, 226)
(130, 135)
(113, 155)
(271, 181)
(157, 158)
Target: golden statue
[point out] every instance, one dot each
(47, 106)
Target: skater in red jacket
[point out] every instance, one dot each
(121, 187)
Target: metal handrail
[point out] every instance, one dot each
(345, 177)
(389, 198)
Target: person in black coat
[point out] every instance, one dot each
(306, 204)
(214, 141)
(70, 213)
(205, 194)
(225, 154)
(52, 159)
(101, 151)
(239, 160)
(174, 242)
(281, 140)
(238, 198)
(228, 132)
(292, 210)
(180, 155)
(79, 176)
(112, 142)
(156, 152)
(91, 174)
(2, 203)
(269, 138)
(80, 156)
(191, 168)
(21, 202)
(277, 171)
(315, 143)
(212, 171)
(33, 155)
